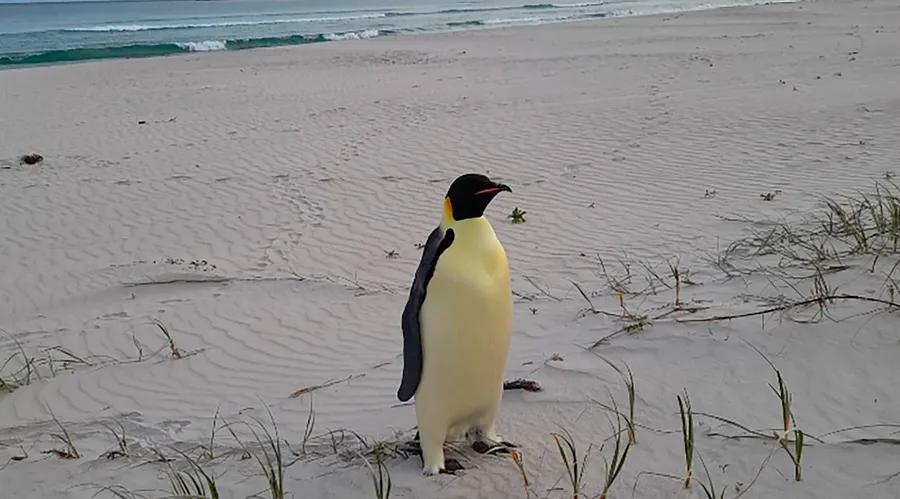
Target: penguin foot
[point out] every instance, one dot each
(451, 466)
(501, 447)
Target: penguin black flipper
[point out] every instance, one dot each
(438, 241)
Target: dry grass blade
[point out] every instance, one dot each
(174, 352)
(584, 295)
(120, 492)
(787, 306)
(519, 461)
(332, 382)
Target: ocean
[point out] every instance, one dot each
(68, 31)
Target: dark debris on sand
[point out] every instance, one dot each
(32, 158)
(522, 384)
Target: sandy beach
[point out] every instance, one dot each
(215, 234)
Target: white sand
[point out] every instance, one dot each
(292, 171)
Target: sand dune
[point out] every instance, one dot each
(265, 205)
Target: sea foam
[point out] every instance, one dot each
(353, 35)
(204, 46)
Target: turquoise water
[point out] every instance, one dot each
(66, 31)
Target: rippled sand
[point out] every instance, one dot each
(265, 205)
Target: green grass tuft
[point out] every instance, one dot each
(687, 436)
(574, 465)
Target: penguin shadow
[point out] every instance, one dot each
(451, 465)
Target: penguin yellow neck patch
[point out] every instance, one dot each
(448, 210)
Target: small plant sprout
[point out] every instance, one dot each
(69, 452)
(687, 436)
(517, 216)
(209, 451)
(789, 426)
(575, 467)
(637, 324)
(174, 352)
(10, 382)
(677, 277)
(310, 425)
(792, 447)
(381, 476)
(613, 465)
(121, 444)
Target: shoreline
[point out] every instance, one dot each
(207, 47)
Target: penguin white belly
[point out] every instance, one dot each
(466, 322)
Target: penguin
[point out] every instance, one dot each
(457, 325)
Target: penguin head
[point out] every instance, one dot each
(469, 195)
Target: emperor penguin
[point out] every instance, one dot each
(457, 325)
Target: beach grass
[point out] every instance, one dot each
(379, 472)
(628, 380)
(268, 455)
(573, 461)
(709, 487)
(196, 483)
(792, 447)
(687, 436)
(676, 273)
(612, 464)
(121, 442)
(209, 450)
(310, 426)
(69, 451)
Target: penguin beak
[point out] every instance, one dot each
(494, 190)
